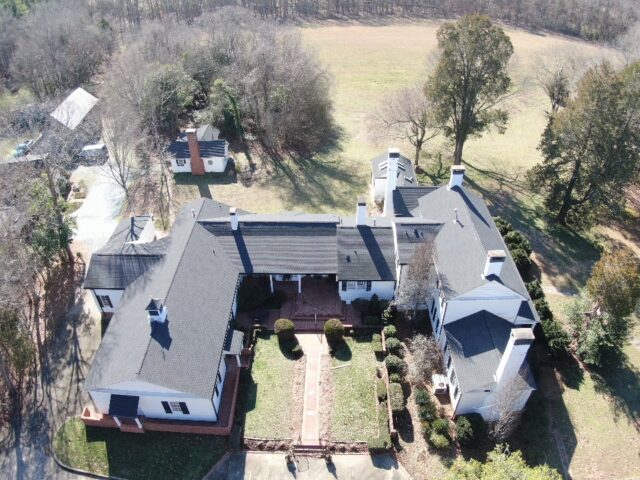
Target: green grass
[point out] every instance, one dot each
(267, 392)
(152, 455)
(354, 414)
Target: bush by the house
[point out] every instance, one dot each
(371, 320)
(388, 314)
(516, 241)
(427, 410)
(439, 441)
(374, 306)
(360, 305)
(556, 338)
(535, 290)
(395, 364)
(441, 426)
(285, 330)
(396, 397)
(395, 378)
(390, 331)
(543, 309)
(334, 331)
(464, 431)
(252, 297)
(502, 225)
(376, 344)
(394, 346)
(422, 396)
(521, 259)
(381, 390)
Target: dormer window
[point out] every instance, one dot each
(156, 311)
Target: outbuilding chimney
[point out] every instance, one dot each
(494, 263)
(197, 165)
(392, 179)
(361, 211)
(457, 176)
(514, 354)
(233, 218)
(156, 311)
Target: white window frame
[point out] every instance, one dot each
(181, 162)
(106, 301)
(352, 285)
(362, 284)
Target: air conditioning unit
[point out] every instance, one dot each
(439, 383)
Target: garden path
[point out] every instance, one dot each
(314, 346)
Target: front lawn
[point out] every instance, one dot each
(267, 391)
(152, 455)
(354, 414)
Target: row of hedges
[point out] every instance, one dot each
(382, 442)
(517, 243)
(556, 338)
(374, 311)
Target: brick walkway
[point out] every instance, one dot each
(314, 346)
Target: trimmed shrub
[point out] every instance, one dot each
(396, 397)
(395, 378)
(441, 426)
(427, 410)
(464, 431)
(438, 441)
(395, 364)
(521, 259)
(334, 331)
(556, 338)
(388, 315)
(285, 329)
(425, 428)
(394, 346)
(376, 343)
(535, 290)
(515, 240)
(296, 351)
(381, 390)
(390, 331)
(543, 309)
(502, 225)
(422, 396)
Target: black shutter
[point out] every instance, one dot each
(100, 301)
(183, 407)
(167, 408)
(368, 285)
(108, 301)
(344, 286)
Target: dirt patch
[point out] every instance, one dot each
(297, 397)
(326, 398)
(266, 445)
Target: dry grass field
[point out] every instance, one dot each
(596, 417)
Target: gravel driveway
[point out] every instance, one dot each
(98, 215)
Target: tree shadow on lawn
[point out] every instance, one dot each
(564, 254)
(620, 381)
(341, 351)
(247, 397)
(208, 180)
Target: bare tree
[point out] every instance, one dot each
(415, 285)
(406, 115)
(427, 358)
(555, 83)
(507, 409)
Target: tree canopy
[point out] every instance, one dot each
(470, 79)
(590, 148)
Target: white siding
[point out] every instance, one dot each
(148, 233)
(384, 290)
(114, 296)
(379, 185)
(186, 168)
(215, 164)
(151, 398)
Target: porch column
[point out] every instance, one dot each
(138, 423)
(238, 360)
(271, 282)
(118, 422)
(299, 283)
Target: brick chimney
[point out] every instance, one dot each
(197, 165)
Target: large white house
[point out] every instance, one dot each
(168, 345)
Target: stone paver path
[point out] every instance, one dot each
(314, 345)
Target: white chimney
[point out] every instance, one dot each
(457, 175)
(156, 311)
(493, 265)
(514, 354)
(392, 180)
(361, 211)
(233, 218)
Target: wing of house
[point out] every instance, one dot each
(165, 353)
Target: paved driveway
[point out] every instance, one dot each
(98, 215)
(270, 466)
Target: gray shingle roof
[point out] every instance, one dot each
(406, 174)
(281, 247)
(476, 344)
(405, 199)
(461, 247)
(197, 288)
(366, 253)
(410, 235)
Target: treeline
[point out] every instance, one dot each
(600, 20)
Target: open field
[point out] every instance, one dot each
(267, 400)
(108, 451)
(354, 411)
